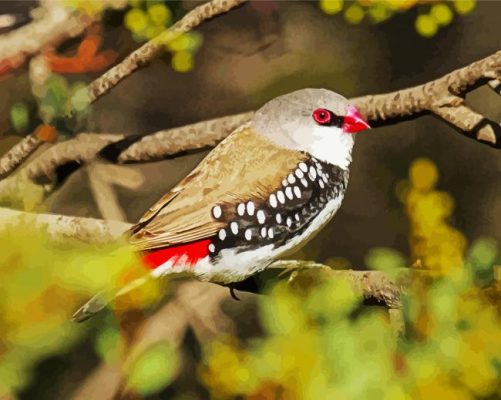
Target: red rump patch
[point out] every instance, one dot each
(192, 252)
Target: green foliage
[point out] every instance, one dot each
(19, 117)
(59, 100)
(386, 260)
(107, 342)
(150, 19)
(319, 342)
(43, 283)
(153, 369)
(483, 253)
(433, 14)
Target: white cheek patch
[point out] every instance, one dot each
(329, 144)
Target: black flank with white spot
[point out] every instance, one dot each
(286, 213)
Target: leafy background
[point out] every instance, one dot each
(420, 195)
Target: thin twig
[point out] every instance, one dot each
(102, 179)
(147, 52)
(18, 153)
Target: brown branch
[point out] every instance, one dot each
(61, 227)
(441, 97)
(73, 26)
(81, 150)
(154, 47)
(190, 137)
(373, 284)
(18, 154)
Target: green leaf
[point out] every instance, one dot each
(107, 344)
(154, 369)
(19, 117)
(483, 252)
(385, 259)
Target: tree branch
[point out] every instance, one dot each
(61, 227)
(441, 97)
(372, 284)
(154, 47)
(74, 26)
(18, 154)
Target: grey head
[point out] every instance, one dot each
(317, 121)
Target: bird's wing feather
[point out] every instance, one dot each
(245, 166)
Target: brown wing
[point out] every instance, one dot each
(244, 166)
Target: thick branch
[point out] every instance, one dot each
(190, 137)
(81, 150)
(440, 97)
(443, 97)
(73, 25)
(61, 227)
(375, 286)
(372, 284)
(154, 47)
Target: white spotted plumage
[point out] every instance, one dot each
(261, 216)
(217, 212)
(250, 208)
(241, 209)
(273, 200)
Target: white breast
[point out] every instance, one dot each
(234, 267)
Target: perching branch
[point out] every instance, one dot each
(372, 284)
(61, 227)
(443, 97)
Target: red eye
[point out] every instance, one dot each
(322, 116)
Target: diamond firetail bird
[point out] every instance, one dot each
(262, 193)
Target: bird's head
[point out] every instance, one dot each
(317, 121)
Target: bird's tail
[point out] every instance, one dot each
(106, 297)
(172, 261)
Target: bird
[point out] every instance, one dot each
(260, 194)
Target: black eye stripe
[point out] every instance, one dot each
(326, 117)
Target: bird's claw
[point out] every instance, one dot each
(232, 293)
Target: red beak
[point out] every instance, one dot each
(353, 121)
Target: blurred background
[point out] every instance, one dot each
(235, 63)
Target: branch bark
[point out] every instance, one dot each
(61, 227)
(74, 24)
(18, 154)
(154, 47)
(443, 97)
(372, 284)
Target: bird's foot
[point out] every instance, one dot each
(232, 293)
